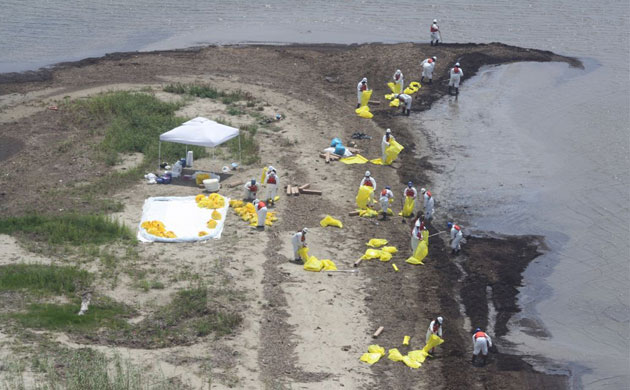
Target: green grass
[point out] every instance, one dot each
(63, 317)
(74, 229)
(209, 92)
(234, 111)
(43, 278)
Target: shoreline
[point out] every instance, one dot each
(386, 287)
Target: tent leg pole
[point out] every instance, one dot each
(240, 153)
(159, 153)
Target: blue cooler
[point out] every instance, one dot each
(340, 149)
(335, 141)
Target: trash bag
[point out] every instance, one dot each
(368, 213)
(392, 151)
(335, 141)
(370, 358)
(364, 112)
(394, 103)
(415, 84)
(406, 340)
(371, 254)
(390, 249)
(330, 221)
(419, 254)
(212, 224)
(328, 265)
(264, 175)
(201, 177)
(394, 87)
(365, 97)
(363, 196)
(410, 362)
(395, 355)
(375, 348)
(313, 264)
(376, 242)
(390, 96)
(433, 342)
(303, 252)
(216, 215)
(418, 355)
(408, 207)
(410, 90)
(356, 159)
(385, 256)
(377, 161)
(425, 237)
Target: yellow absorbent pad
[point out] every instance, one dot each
(418, 355)
(395, 355)
(328, 265)
(394, 103)
(385, 256)
(356, 159)
(420, 253)
(371, 254)
(376, 242)
(394, 87)
(363, 196)
(390, 249)
(410, 362)
(370, 358)
(303, 252)
(364, 112)
(375, 348)
(330, 221)
(408, 207)
(415, 84)
(313, 264)
(368, 213)
(365, 97)
(433, 342)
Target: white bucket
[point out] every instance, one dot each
(211, 185)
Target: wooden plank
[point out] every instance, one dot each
(232, 185)
(377, 102)
(378, 331)
(289, 192)
(355, 150)
(295, 191)
(305, 186)
(327, 157)
(353, 213)
(311, 192)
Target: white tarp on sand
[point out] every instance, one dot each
(182, 216)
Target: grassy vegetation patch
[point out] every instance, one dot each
(43, 278)
(207, 91)
(74, 229)
(103, 313)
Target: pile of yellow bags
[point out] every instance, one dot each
(383, 254)
(212, 201)
(413, 359)
(394, 87)
(368, 213)
(413, 87)
(364, 110)
(376, 242)
(313, 264)
(374, 353)
(157, 228)
(330, 221)
(247, 212)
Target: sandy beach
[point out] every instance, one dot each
(300, 330)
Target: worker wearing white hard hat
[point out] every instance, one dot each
(271, 181)
(428, 66)
(387, 138)
(299, 241)
(398, 79)
(385, 199)
(362, 86)
(436, 37)
(456, 74)
(369, 181)
(435, 327)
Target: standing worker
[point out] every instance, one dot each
(456, 74)
(410, 194)
(251, 188)
(362, 86)
(271, 181)
(299, 241)
(435, 33)
(398, 79)
(435, 327)
(369, 181)
(387, 197)
(429, 203)
(456, 237)
(385, 143)
(427, 69)
(481, 343)
(406, 100)
(261, 212)
(416, 233)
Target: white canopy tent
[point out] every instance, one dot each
(200, 132)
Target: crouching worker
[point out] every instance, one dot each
(261, 212)
(251, 188)
(299, 241)
(435, 327)
(405, 101)
(481, 343)
(387, 197)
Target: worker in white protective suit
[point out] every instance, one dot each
(456, 74)
(398, 79)
(362, 86)
(299, 241)
(271, 181)
(456, 237)
(416, 233)
(435, 328)
(411, 193)
(386, 198)
(429, 203)
(251, 188)
(387, 138)
(369, 181)
(428, 66)
(436, 37)
(481, 343)
(406, 103)
(261, 212)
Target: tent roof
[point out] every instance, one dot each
(201, 132)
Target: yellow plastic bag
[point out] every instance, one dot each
(392, 151)
(371, 254)
(376, 242)
(202, 233)
(328, 265)
(201, 177)
(368, 213)
(394, 87)
(313, 264)
(212, 224)
(390, 249)
(365, 97)
(419, 254)
(303, 252)
(390, 96)
(433, 342)
(375, 348)
(363, 196)
(394, 103)
(330, 221)
(377, 161)
(410, 90)
(408, 207)
(415, 84)
(364, 112)
(370, 358)
(395, 355)
(264, 175)
(418, 355)
(425, 237)
(356, 159)
(216, 215)
(394, 266)
(385, 256)
(406, 340)
(410, 362)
